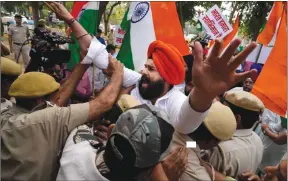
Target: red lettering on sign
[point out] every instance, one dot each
(120, 31)
(119, 40)
(216, 15)
(210, 23)
(223, 25)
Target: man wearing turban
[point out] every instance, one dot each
(165, 68)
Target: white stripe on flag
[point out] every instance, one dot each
(142, 34)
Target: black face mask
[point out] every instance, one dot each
(153, 90)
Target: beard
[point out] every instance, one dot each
(152, 90)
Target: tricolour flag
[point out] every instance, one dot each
(271, 85)
(145, 22)
(86, 12)
(268, 35)
(266, 39)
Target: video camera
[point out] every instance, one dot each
(45, 52)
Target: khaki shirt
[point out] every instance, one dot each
(243, 152)
(31, 142)
(194, 170)
(5, 104)
(19, 34)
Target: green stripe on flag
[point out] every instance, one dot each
(88, 20)
(125, 52)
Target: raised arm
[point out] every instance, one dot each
(63, 14)
(211, 78)
(97, 53)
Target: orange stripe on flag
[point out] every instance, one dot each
(167, 26)
(270, 86)
(231, 35)
(267, 34)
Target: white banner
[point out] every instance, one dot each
(215, 23)
(119, 35)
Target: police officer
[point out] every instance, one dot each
(18, 34)
(34, 131)
(244, 150)
(9, 72)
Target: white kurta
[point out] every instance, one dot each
(273, 153)
(174, 103)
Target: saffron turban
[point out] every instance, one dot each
(168, 61)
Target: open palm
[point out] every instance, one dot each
(216, 74)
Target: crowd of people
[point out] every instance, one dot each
(137, 125)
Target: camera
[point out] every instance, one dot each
(45, 52)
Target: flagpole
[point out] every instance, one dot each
(261, 45)
(93, 80)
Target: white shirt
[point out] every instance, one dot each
(174, 103)
(78, 161)
(273, 153)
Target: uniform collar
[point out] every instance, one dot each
(242, 132)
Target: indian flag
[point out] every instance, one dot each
(266, 39)
(86, 13)
(145, 22)
(271, 85)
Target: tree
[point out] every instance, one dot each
(35, 12)
(256, 16)
(107, 14)
(102, 8)
(188, 10)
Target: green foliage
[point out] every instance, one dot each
(13, 6)
(188, 10)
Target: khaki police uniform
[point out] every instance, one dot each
(194, 170)
(32, 142)
(5, 104)
(244, 150)
(221, 123)
(19, 35)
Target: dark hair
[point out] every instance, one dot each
(202, 134)
(248, 118)
(99, 30)
(110, 47)
(189, 62)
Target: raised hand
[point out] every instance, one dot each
(113, 66)
(61, 12)
(216, 74)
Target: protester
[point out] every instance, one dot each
(112, 50)
(219, 125)
(156, 85)
(273, 173)
(247, 85)
(274, 137)
(33, 135)
(111, 37)
(9, 73)
(18, 35)
(128, 152)
(98, 36)
(245, 149)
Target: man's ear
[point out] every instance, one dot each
(238, 119)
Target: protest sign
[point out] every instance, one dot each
(215, 23)
(119, 35)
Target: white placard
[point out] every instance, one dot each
(119, 35)
(215, 23)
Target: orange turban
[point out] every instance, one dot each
(168, 61)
